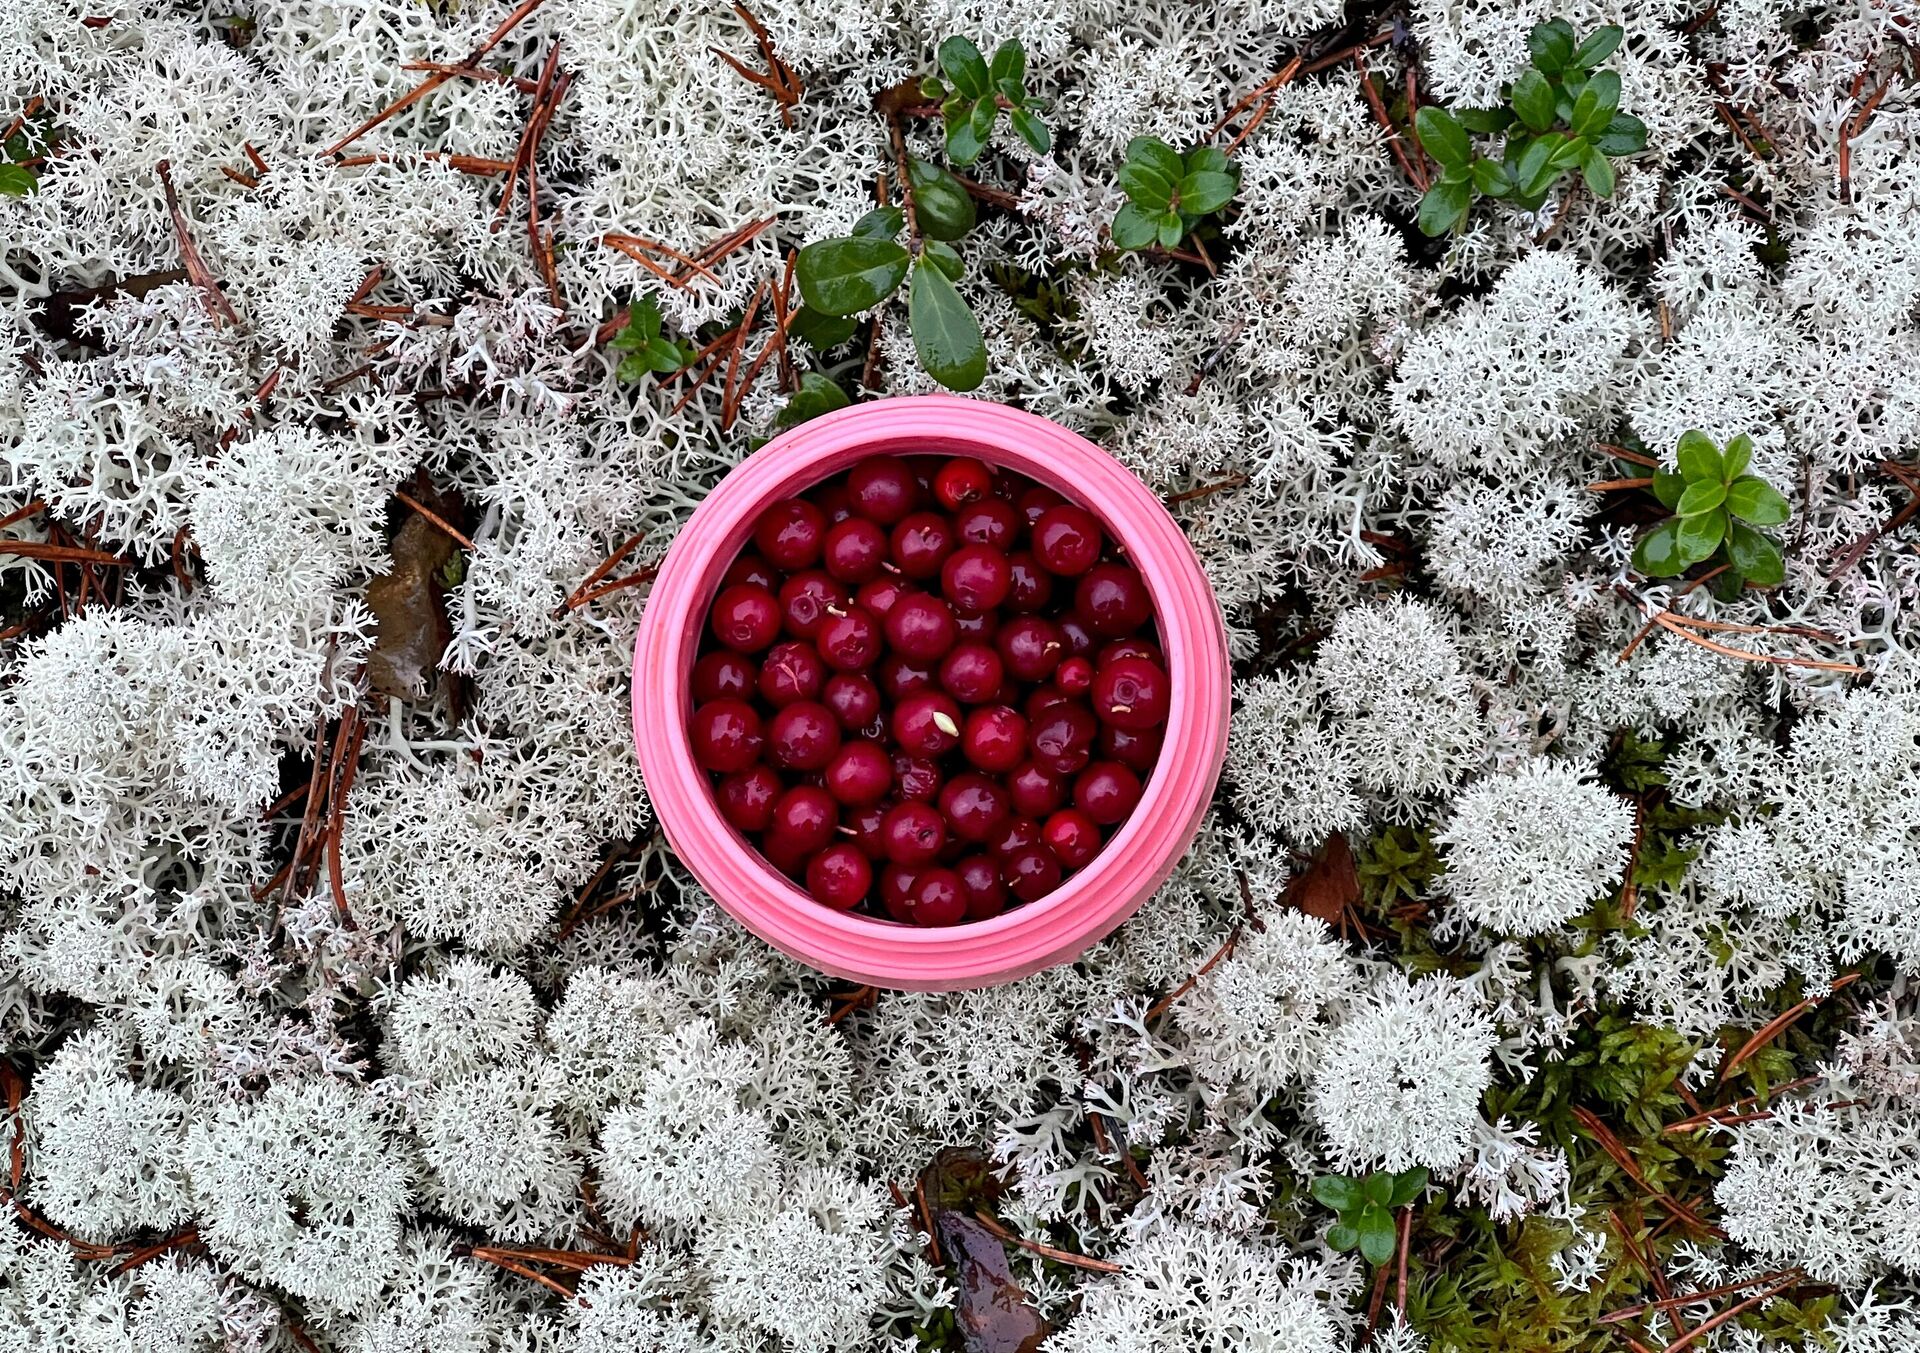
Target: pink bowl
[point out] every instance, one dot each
(1090, 904)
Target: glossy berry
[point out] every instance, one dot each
(921, 543)
(916, 777)
(791, 671)
(746, 798)
(1079, 639)
(1131, 693)
(1072, 836)
(1074, 677)
(979, 626)
(1133, 646)
(1036, 501)
(928, 723)
(1032, 586)
(751, 568)
(879, 595)
(807, 599)
(994, 738)
(855, 550)
(803, 736)
(973, 806)
(896, 891)
(1035, 792)
(882, 489)
(1113, 599)
(854, 699)
(1137, 751)
(913, 833)
(1015, 835)
(1031, 647)
(900, 678)
(865, 828)
(980, 885)
(1066, 540)
(993, 522)
(849, 641)
(746, 617)
(840, 877)
(1106, 792)
(960, 481)
(859, 772)
(726, 735)
(789, 535)
(805, 818)
(1031, 874)
(937, 899)
(971, 673)
(1061, 739)
(921, 627)
(976, 578)
(722, 675)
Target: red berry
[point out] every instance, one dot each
(896, 891)
(977, 625)
(913, 833)
(722, 675)
(994, 738)
(1074, 676)
(921, 543)
(882, 489)
(850, 641)
(900, 678)
(1035, 792)
(750, 568)
(803, 736)
(1042, 698)
(1131, 647)
(980, 884)
(928, 723)
(1072, 836)
(1106, 792)
(867, 824)
(1066, 540)
(1074, 630)
(1031, 874)
(960, 481)
(1137, 751)
(937, 899)
(860, 772)
(726, 735)
(916, 777)
(1031, 647)
(786, 855)
(855, 550)
(854, 700)
(840, 877)
(807, 599)
(976, 578)
(1032, 585)
(804, 818)
(1016, 834)
(920, 627)
(879, 595)
(1035, 502)
(1131, 693)
(1113, 599)
(971, 673)
(746, 797)
(831, 499)
(973, 806)
(746, 618)
(791, 671)
(991, 521)
(1061, 739)
(789, 534)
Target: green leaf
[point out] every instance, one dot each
(963, 147)
(1206, 191)
(932, 90)
(1133, 228)
(984, 113)
(1444, 207)
(1699, 458)
(845, 276)
(1535, 170)
(1756, 555)
(1378, 1235)
(816, 395)
(1490, 179)
(662, 356)
(1605, 87)
(882, 223)
(1485, 121)
(1698, 537)
(1377, 1188)
(1153, 153)
(1551, 45)
(1625, 135)
(1009, 65)
(1443, 137)
(17, 180)
(1702, 495)
(946, 336)
(1597, 169)
(1342, 1236)
(1668, 485)
(632, 367)
(1532, 99)
(1031, 130)
(1172, 230)
(1600, 44)
(1735, 456)
(1210, 160)
(1657, 553)
(1569, 152)
(941, 206)
(1408, 1184)
(946, 258)
(821, 332)
(1336, 1191)
(964, 66)
(1146, 186)
(1756, 501)
(642, 326)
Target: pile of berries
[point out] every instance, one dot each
(930, 689)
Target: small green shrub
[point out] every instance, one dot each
(645, 348)
(1365, 1207)
(1168, 194)
(1718, 509)
(974, 93)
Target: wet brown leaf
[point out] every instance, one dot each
(1329, 886)
(412, 630)
(992, 1310)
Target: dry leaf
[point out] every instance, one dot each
(412, 630)
(1329, 886)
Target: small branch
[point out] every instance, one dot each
(434, 519)
(1854, 126)
(781, 84)
(1395, 144)
(1615, 485)
(59, 554)
(197, 271)
(1059, 1256)
(1714, 1322)
(1710, 1117)
(1691, 1298)
(1165, 1003)
(600, 570)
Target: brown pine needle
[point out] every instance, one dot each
(492, 77)
(1614, 485)
(59, 554)
(1733, 1111)
(631, 246)
(1395, 142)
(1624, 453)
(1617, 1151)
(1165, 1003)
(22, 512)
(1714, 1322)
(434, 519)
(197, 271)
(1059, 1256)
(1689, 1298)
(1774, 1027)
(781, 84)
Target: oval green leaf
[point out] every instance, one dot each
(816, 395)
(1009, 64)
(1625, 135)
(1698, 537)
(1378, 1236)
(1153, 153)
(1551, 46)
(1600, 44)
(963, 147)
(1698, 457)
(1756, 501)
(1442, 137)
(1756, 555)
(1657, 553)
(1597, 170)
(946, 336)
(964, 66)
(1134, 228)
(1532, 99)
(1145, 185)
(846, 276)
(1444, 207)
(1702, 495)
(821, 332)
(1668, 485)
(1336, 1191)
(946, 258)
(1031, 130)
(1206, 191)
(1408, 1184)
(1172, 230)
(1342, 1237)
(882, 223)
(17, 180)
(941, 206)
(1735, 457)
(1377, 1188)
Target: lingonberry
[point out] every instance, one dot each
(855, 550)
(1032, 586)
(960, 481)
(976, 578)
(896, 891)
(921, 543)
(807, 599)
(751, 568)
(1074, 676)
(1035, 792)
(1066, 540)
(937, 899)
(1014, 835)
(726, 735)
(971, 673)
(916, 777)
(789, 534)
(791, 671)
(882, 489)
(803, 736)
(920, 626)
(722, 675)
(879, 595)
(1061, 739)
(849, 641)
(866, 828)
(994, 738)
(1106, 792)
(1072, 836)
(980, 884)
(1137, 751)
(746, 617)
(1113, 599)
(913, 833)
(840, 877)
(900, 678)
(993, 522)
(977, 625)
(1131, 693)
(973, 806)
(1133, 646)
(746, 797)
(854, 699)
(1031, 647)
(928, 723)
(1031, 873)
(805, 817)
(1036, 501)
(860, 772)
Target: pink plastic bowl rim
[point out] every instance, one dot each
(1088, 906)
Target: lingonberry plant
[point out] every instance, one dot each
(1364, 1205)
(1561, 115)
(1718, 510)
(1168, 193)
(974, 93)
(646, 349)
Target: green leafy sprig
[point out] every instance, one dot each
(645, 348)
(1365, 1206)
(974, 93)
(1561, 115)
(1717, 507)
(1168, 193)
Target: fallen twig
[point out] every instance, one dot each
(197, 271)
(1059, 1256)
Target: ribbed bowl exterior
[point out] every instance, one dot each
(1025, 939)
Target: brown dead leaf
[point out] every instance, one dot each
(1330, 886)
(993, 1310)
(412, 630)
